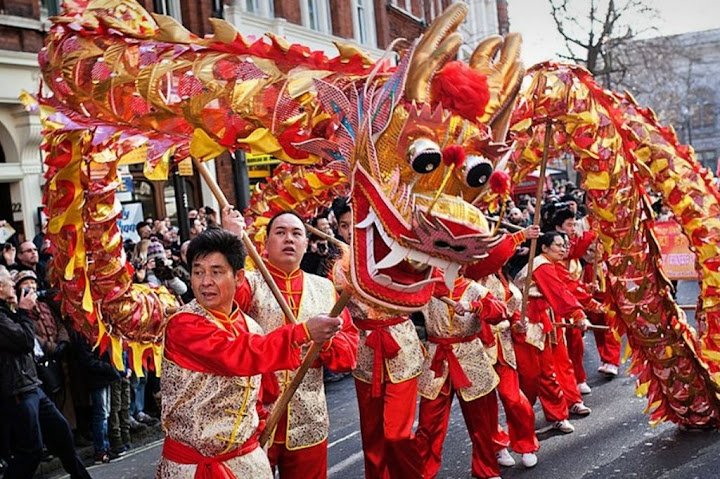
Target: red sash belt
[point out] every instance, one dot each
(207, 467)
(382, 343)
(445, 352)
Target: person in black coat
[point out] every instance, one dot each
(29, 416)
(99, 375)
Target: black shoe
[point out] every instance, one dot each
(146, 419)
(118, 452)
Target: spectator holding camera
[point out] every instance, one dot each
(320, 254)
(28, 415)
(52, 337)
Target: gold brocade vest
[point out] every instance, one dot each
(408, 362)
(211, 413)
(535, 335)
(307, 417)
(501, 331)
(574, 267)
(441, 321)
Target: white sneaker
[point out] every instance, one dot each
(603, 368)
(504, 458)
(580, 409)
(529, 459)
(563, 426)
(611, 370)
(584, 388)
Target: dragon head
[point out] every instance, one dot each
(420, 145)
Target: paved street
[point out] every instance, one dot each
(615, 441)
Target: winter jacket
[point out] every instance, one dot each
(17, 363)
(99, 373)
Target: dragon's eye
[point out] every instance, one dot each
(477, 170)
(424, 155)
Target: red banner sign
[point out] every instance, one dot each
(677, 259)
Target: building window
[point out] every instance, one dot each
(263, 8)
(708, 159)
(363, 22)
(704, 115)
(402, 4)
(168, 7)
(252, 6)
(316, 15)
(49, 8)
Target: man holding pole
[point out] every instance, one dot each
(299, 445)
(214, 356)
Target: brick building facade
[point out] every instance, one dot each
(373, 24)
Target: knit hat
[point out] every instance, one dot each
(156, 251)
(24, 275)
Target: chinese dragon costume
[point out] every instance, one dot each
(413, 142)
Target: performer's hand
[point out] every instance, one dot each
(323, 327)
(519, 327)
(532, 232)
(28, 300)
(462, 307)
(233, 221)
(583, 324)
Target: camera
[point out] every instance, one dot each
(322, 247)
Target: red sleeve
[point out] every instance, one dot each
(495, 260)
(243, 295)
(577, 288)
(341, 355)
(556, 292)
(196, 344)
(580, 244)
(491, 309)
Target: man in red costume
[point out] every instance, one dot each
(214, 356)
(299, 444)
(564, 222)
(607, 343)
(458, 364)
(500, 345)
(390, 359)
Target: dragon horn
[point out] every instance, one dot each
(225, 32)
(504, 78)
(438, 44)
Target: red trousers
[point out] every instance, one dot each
(481, 419)
(608, 346)
(565, 371)
(536, 371)
(307, 463)
(519, 413)
(576, 350)
(389, 447)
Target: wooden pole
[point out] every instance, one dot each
(588, 326)
(536, 219)
(312, 354)
(324, 235)
(504, 224)
(247, 242)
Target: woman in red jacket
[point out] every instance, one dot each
(537, 360)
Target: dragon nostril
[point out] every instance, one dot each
(445, 245)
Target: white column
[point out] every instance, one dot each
(29, 131)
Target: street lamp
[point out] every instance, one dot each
(687, 126)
